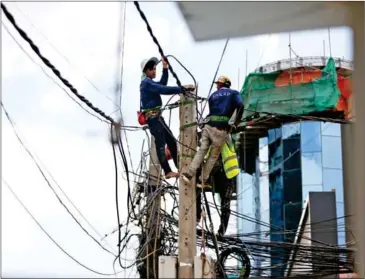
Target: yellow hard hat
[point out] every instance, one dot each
(223, 80)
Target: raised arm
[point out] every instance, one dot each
(165, 77)
(157, 88)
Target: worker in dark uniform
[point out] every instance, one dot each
(221, 185)
(151, 103)
(215, 133)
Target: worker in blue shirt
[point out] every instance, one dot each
(151, 103)
(222, 104)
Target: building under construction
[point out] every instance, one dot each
(290, 144)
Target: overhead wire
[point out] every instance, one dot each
(51, 78)
(48, 182)
(51, 238)
(64, 56)
(36, 49)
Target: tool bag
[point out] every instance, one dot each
(141, 116)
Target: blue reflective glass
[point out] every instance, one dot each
(263, 142)
(247, 201)
(265, 222)
(274, 134)
(312, 168)
(290, 130)
(246, 226)
(264, 194)
(341, 240)
(311, 136)
(310, 188)
(332, 155)
(341, 228)
(331, 129)
(333, 179)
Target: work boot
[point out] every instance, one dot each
(172, 174)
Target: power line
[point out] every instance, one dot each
(35, 48)
(68, 94)
(62, 55)
(149, 29)
(48, 182)
(51, 238)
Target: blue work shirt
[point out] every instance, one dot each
(151, 91)
(223, 102)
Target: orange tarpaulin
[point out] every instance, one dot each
(307, 76)
(302, 76)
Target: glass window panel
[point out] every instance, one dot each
(264, 193)
(264, 158)
(332, 154)
(311, 136)
(291, 130)
(291, 153)
(247, 201)
(341, 240)
(333, 179)
(340, 212)
(310, 188)
(265, 223)
(341, 228)
(246, 226)
(263, 142)
(274, 134)
(312, 168)
(331, 129)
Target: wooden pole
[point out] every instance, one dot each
(187, 191)
(153, 219)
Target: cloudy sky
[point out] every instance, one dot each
(80, 39)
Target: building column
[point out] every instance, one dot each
(357, 24)
(349, 194)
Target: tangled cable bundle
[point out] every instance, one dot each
(155, 229)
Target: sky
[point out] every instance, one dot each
(80, 39)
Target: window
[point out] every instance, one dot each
(291, 130)
(263, 142)
(331, 129)
(341, 225)
(265, 225)
(332, 152)
(274, 134)
(264, 194)
(333, 179)
(312, 168)
(311, 137)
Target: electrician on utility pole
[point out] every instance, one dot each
(222, 104)
(150, 111)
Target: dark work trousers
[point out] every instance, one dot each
(163, 136)
(224, 187)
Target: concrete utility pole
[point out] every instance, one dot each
(187, 191)
(153, 218)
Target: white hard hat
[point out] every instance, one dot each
(145, 61)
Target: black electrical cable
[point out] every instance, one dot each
(214, 77)
(51, 238)
(48, 182)
(244, 260)
(35, 48)
(149, 29)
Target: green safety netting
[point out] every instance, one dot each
(260, 93)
